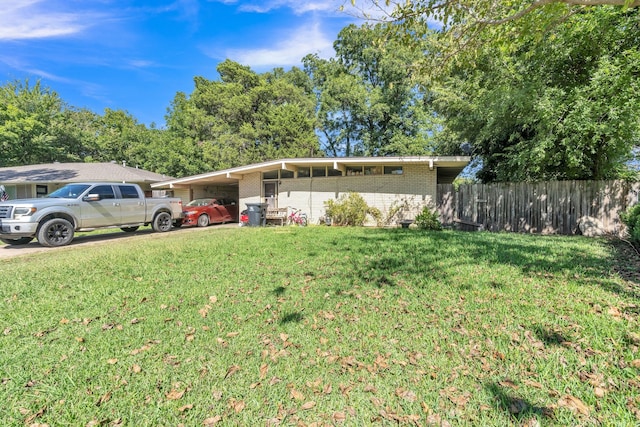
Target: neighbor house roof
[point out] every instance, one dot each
(448, 168)
(77, 172)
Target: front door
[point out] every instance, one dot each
(271, 194)
(103, 212)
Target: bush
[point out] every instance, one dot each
(428, 220)
(631, 219)
(350, 209)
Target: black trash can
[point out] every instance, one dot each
(257, 213)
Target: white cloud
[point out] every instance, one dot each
(35, 19)
(299, 7)
(288, 51)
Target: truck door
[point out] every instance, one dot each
(103, 212)
(132, 205)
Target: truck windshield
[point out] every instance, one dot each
(69, 191)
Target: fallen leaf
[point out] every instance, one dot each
(574, 404)
(36, 415)
(508, 383)
(112, 361)
(104, 398)
(211, 421)
(614, 312)
(136, 369)
(237, 405)
(599, 392)
(531, 383)
(635, 363)
(264, 369)
(213, 299)
(308, 405)
(175, 394)
(407, 395)
(338, 417)
(232, 370)
(185, 407)
(295, 394)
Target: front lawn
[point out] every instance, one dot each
(320, 326)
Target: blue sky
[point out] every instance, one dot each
(135, 55)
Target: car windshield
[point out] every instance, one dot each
(199, 202)
(69, 191)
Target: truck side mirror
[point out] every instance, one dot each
(91, 198)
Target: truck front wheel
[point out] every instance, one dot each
(55, 232)
(18, 241)
(162, 222)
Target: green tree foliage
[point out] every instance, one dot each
(563, 108)
(465, 25)
(246, 117)
(27, 113)
(36, 126)
(368, 100)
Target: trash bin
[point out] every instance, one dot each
(257, 213)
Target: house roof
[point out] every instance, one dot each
(448, 168)
(77, 172)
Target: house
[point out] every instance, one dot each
(21, 182)
(391, 184)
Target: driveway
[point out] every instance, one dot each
(91, 239)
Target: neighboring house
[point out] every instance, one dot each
(23, 182)
(402, 184)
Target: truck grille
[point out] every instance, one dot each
(5, 211)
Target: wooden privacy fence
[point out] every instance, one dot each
(543, 207)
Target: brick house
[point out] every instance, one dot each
(405, 184)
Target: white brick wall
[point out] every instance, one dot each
(416, 186)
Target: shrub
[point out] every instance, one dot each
(428, 220)
(631, 219)
(350, 209)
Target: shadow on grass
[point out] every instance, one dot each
(384, 255)
(279, 291)
(294, 317)
(518, 408)
(549, 337)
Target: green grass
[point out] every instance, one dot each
(322, 325)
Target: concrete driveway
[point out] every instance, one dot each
(91, 239)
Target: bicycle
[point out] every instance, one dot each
(297, 217)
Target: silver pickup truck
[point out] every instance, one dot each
(54, 219)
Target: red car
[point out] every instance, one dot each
(202, 212)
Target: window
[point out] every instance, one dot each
(393, 170)
(128, 192)
(270, 175)
(333, 172)
(286, 174)
(105, 191)
(319, 172)
(304, 172)
(354, 170)
(41, 190)
(372, 170)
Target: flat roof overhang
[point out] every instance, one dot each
(450, 166)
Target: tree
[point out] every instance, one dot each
(565, 108)
(246, 117)
(26, 115)
(465, 25)
(368, 100)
